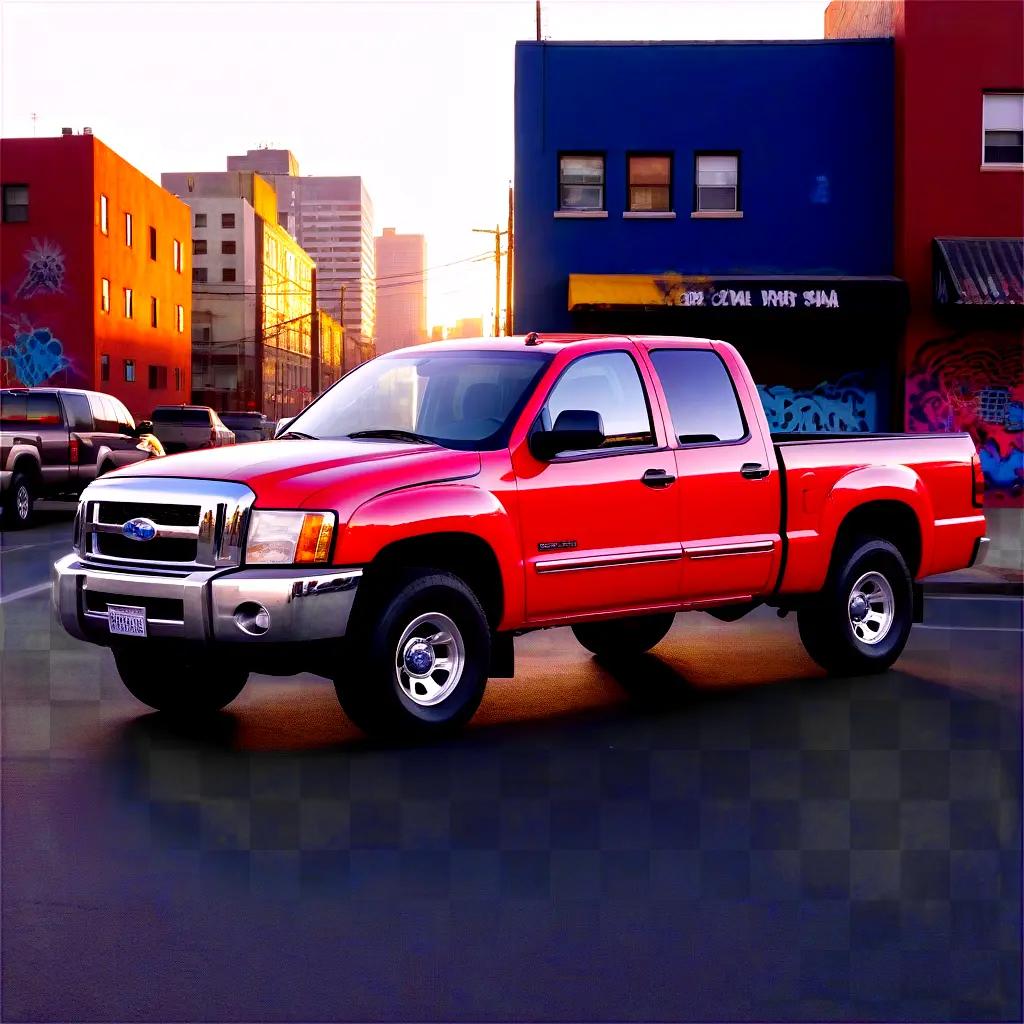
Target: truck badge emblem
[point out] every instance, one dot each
(139, 529)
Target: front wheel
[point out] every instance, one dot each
(179, 686)
(416, 657)
(624, 637)
(861, 620)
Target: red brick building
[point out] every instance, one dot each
(95, 274)
(959, 215)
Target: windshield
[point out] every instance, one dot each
(466, 400)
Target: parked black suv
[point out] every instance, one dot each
(55, 441)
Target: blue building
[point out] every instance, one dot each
(741, 191)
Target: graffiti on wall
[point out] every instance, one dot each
(45, 273)
(35, 354)
(848, 405)
(974, 382)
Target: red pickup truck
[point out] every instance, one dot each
(441, 500)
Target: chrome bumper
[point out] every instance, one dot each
(980, 551)
(200, 605)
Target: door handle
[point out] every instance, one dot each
(753, 471)
(658, 478)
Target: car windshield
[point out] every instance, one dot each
(462, 399)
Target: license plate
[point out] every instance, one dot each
(126, 620)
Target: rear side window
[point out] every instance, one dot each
(30, 410)
(124, 417)
(103, 414)
(186, 417)
(607, 383)
(701, 398)
(78, 410)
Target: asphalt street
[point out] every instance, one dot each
(764, 844)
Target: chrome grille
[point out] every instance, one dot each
(197, 523)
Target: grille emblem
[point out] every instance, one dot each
(139, 529)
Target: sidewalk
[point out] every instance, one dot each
(1003, 569)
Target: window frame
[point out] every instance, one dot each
(197, 222)
(152, 243)
(176, 260)
(227, 222)
(128, 370)
(105, 295)
(562, 154)
(129, 235)
(9, 186)
(997, 165)
(200, 275)
(666, 154)
(697, 154)
(129, 303)
(673, 437)
(600, 453)
(104, 213)
(224, 279)
(179, 318)
(154, 311)
(225, 243)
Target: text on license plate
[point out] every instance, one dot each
(126, 620)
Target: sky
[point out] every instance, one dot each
(414, 95)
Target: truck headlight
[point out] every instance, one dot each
(287, 538)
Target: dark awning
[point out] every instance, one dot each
(979, 271)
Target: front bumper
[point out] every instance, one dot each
(200, 605)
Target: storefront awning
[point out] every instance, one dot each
(781, 294)
(979, 271)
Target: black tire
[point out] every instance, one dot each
(20, 503)
(829, 627)
(179, 686)
(624, 638)
(374, 684)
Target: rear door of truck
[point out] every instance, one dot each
(729, 486)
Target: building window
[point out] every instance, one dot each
(15, 204)
(177, 256)
(227, 220)
(200, 220)
(158, 377)
(580, 182)
(128, 230)
(180, 318)
(129, 370)
(105, 294)
(104, 214)
(104, 367)
(154, 311)
(198, 246)
(228, 274)
(227, 248)
(717, 183)
(128, 308)
(152, 243)
(1003, 117)
(200, 333)
(199, 275)
(177, 378)
(650, 183)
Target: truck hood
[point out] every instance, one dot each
(338, 475)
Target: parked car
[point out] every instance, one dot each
(55, 441)
(248, 426)
(441, 500)
(184, 428)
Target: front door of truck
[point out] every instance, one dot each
(600, 527)
(728, 487)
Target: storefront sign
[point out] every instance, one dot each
(764, 298)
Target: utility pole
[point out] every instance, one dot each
(341, 320)
(497, 232)
(510, 249)
(538, 21)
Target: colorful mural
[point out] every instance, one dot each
(847, 405)
(35, 356)
(975, 382)
(45, 272)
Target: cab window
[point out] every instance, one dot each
(79, 412)
(103, 414)
(35, 409)
(701, 398)
(609, 384)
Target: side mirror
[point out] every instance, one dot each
(282, 425)
(143, 427)
(574, 430)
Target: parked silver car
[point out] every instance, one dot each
(248, 426)
(184, 428)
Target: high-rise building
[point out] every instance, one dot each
(401, 290)
(467, 327)
(96, 274)
(332, 219)
(252, 296)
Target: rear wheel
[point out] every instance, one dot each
(861, 620)
(19, 505)
(416, 657)
(193, 686)
(624, 637)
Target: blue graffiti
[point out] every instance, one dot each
(846, 405)
(35, 356)
(1006, 471)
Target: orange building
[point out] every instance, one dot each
(95, 274)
